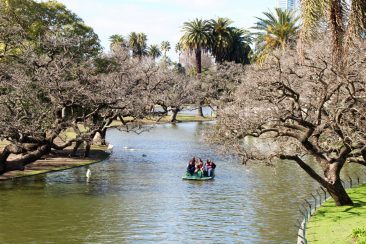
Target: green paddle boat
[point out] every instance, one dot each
(198, 176)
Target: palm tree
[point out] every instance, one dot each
(165, 47)
(196, 38)
(221, 37)
(239, 50)
(154, 51)
(178, 49)
(276, 31)
(137, 43)
(346, 21)
(117, 41)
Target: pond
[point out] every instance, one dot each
(138, 196)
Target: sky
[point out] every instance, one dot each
(161, 20)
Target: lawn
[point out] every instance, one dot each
(165, 119)
(346, 224)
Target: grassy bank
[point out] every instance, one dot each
(166, 119)
(58, 161)
(345, 224)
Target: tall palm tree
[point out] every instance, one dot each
(221, 37)
(165, 47)
(196, 38)
(277, 30)
(137, 43)
(239, 50)
(178, 49)
(346, 21)
(154, 51)
(117, 41)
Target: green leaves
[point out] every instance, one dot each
(277, 30)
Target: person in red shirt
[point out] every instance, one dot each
(209, 167)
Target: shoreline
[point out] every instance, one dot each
(181, 118)
(58, 161)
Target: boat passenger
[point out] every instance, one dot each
(199, 167)
(191, 167)
(209, 167)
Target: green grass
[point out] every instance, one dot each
(345, 224)
(165, 119)
(359, 235)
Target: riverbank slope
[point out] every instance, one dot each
(59, 160)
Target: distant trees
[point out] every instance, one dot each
(165, 47)
(229, 44)
(217, 36)
(154, 51)
(117, 41)
(196, 38)
(137, 42)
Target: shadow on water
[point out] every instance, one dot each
(137, 195)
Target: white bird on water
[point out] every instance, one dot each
(88, 174)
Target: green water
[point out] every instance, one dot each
(138, 196)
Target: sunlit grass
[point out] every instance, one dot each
(332, 224)
(3, 143)
(164, 119)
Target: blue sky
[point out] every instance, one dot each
(161, 19)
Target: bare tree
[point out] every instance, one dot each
(174, 91)
(302, 108)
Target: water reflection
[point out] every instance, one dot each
(138, 196)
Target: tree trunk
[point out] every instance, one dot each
(198, 61)
(200, 110)
(74, 150)
(87, 149)
(332, 181)
(19, 163)
(173, 117)
(103, 134)
(335, 187)
(336, 21)
(339, 194)
(199, 71)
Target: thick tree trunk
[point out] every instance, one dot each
(173, 117)
(19, 163)
(198, 61)
(335, 187)
(74, 150)
(87, 149)
(103, 135)
(332, 181)
(339, 194)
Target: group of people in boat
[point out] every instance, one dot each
(196, 167)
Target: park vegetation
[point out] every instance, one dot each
(309, 102)
(303, 95)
